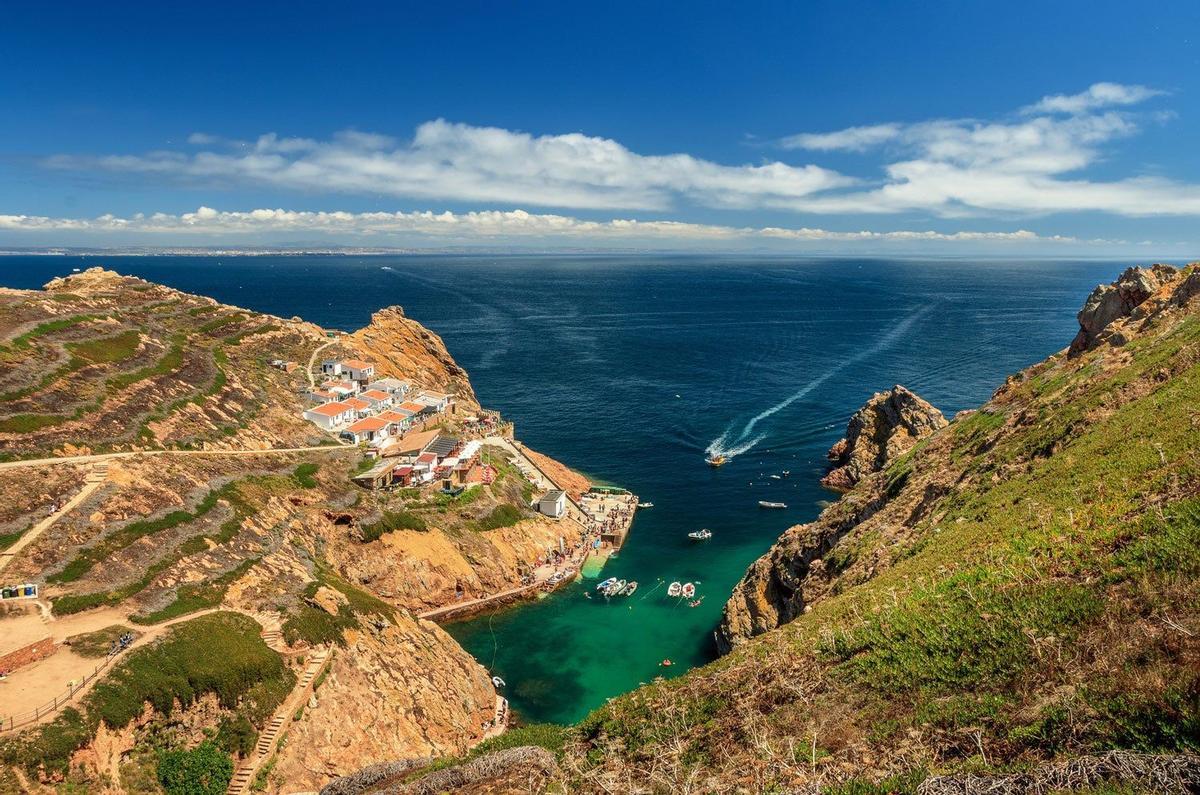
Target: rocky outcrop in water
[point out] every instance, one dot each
(1122, 299)
(886, 427)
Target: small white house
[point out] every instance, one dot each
(331, 367)
(340, 388)
(331, 415)
(358, 370)
(378, 399)
(368, 429)
(361, 407)
(321, 396)
(553, 504)
(393, 386)
(438, 401)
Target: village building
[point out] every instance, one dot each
(401, 421)
(361, 407)
(377, 398)
(416, 408)
(340, 388)
(322, 396)
(438, 401)
(368, 429)
(393, 386)
(331, 367)
(358, 370)
(553, 504)
(331, 416)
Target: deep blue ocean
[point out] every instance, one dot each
(629, 368)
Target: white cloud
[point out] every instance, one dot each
(851, 139)
(370, 227)
(967, 167)
(460, 162)
(1030, 163)
(1098, 95)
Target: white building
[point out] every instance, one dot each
(553, 504)
(331, 415)
(393, 386)
(438, 401)
(331, 367)
(358, 370)
(378, 399)
(368, 429)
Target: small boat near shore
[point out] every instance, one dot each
(674, 589)
(628, 589)
(604, 586)
(767, 504)
(688, 590)
(703, 534)
(715, 460)
(615, 589)
(645, 505)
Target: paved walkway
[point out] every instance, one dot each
(92, 481)
(312, 361)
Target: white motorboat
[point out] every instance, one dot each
(703, 534)
(629, 589)
(674, 589)
(775, 477)
(645, 505)
(688, 590)
(604, 586)
(766, 504)
(497, 681)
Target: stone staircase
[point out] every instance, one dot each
(98, 473)
(272, 631)
(243, 777)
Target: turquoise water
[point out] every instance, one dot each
(629, 368)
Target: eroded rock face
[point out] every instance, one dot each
(1109, 303)
(403, 348)
(395, 692)
(887, 426)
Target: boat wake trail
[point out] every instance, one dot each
(733, 442)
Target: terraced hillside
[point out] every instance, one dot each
(1015, 602)
(158, 479)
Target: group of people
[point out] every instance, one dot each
(120, 644)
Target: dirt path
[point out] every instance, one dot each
(84, 459)
(92, 481)
(312, 360)
(47, 683)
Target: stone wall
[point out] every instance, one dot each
(28, 654)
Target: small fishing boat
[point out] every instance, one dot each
(715, 460)
(673, 589)
(688, 590)
(766, 504)
(775, 477)
(696, 602)
(604, 586)
(497, 681)
(787, 472)
(702, 534)
(615, 588)
(629, 589)
(645, 505)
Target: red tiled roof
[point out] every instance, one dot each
(376, 394)
(318, 393)
(426, 458)
(393, 416)
(368, 424)
(356, 364)
(415, 408)
(356, 404)
(331, 409)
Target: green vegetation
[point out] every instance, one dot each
(8, 539)
(194, 596)
(168, 363)
(204, 770)
(27, 423)
(303, 474)
(392, 520)
(236, 339)
(550, 736)
(224, 320)
(49, 327)
(220, 653)
(96, 644)
(503, 515)
(106, 350)
(317, 626)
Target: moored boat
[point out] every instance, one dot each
(615, 588)
(673, 589)
(629, 589)
(645, 505)
(688, 590)
(606, 584)
(766, 504)
(703, 534)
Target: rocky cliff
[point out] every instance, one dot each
(1015, 592)
(886, 427)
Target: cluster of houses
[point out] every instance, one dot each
(355, 405)
(428, 457)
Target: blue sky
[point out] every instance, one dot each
(933, 126)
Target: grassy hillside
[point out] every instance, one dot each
(1022, 587)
